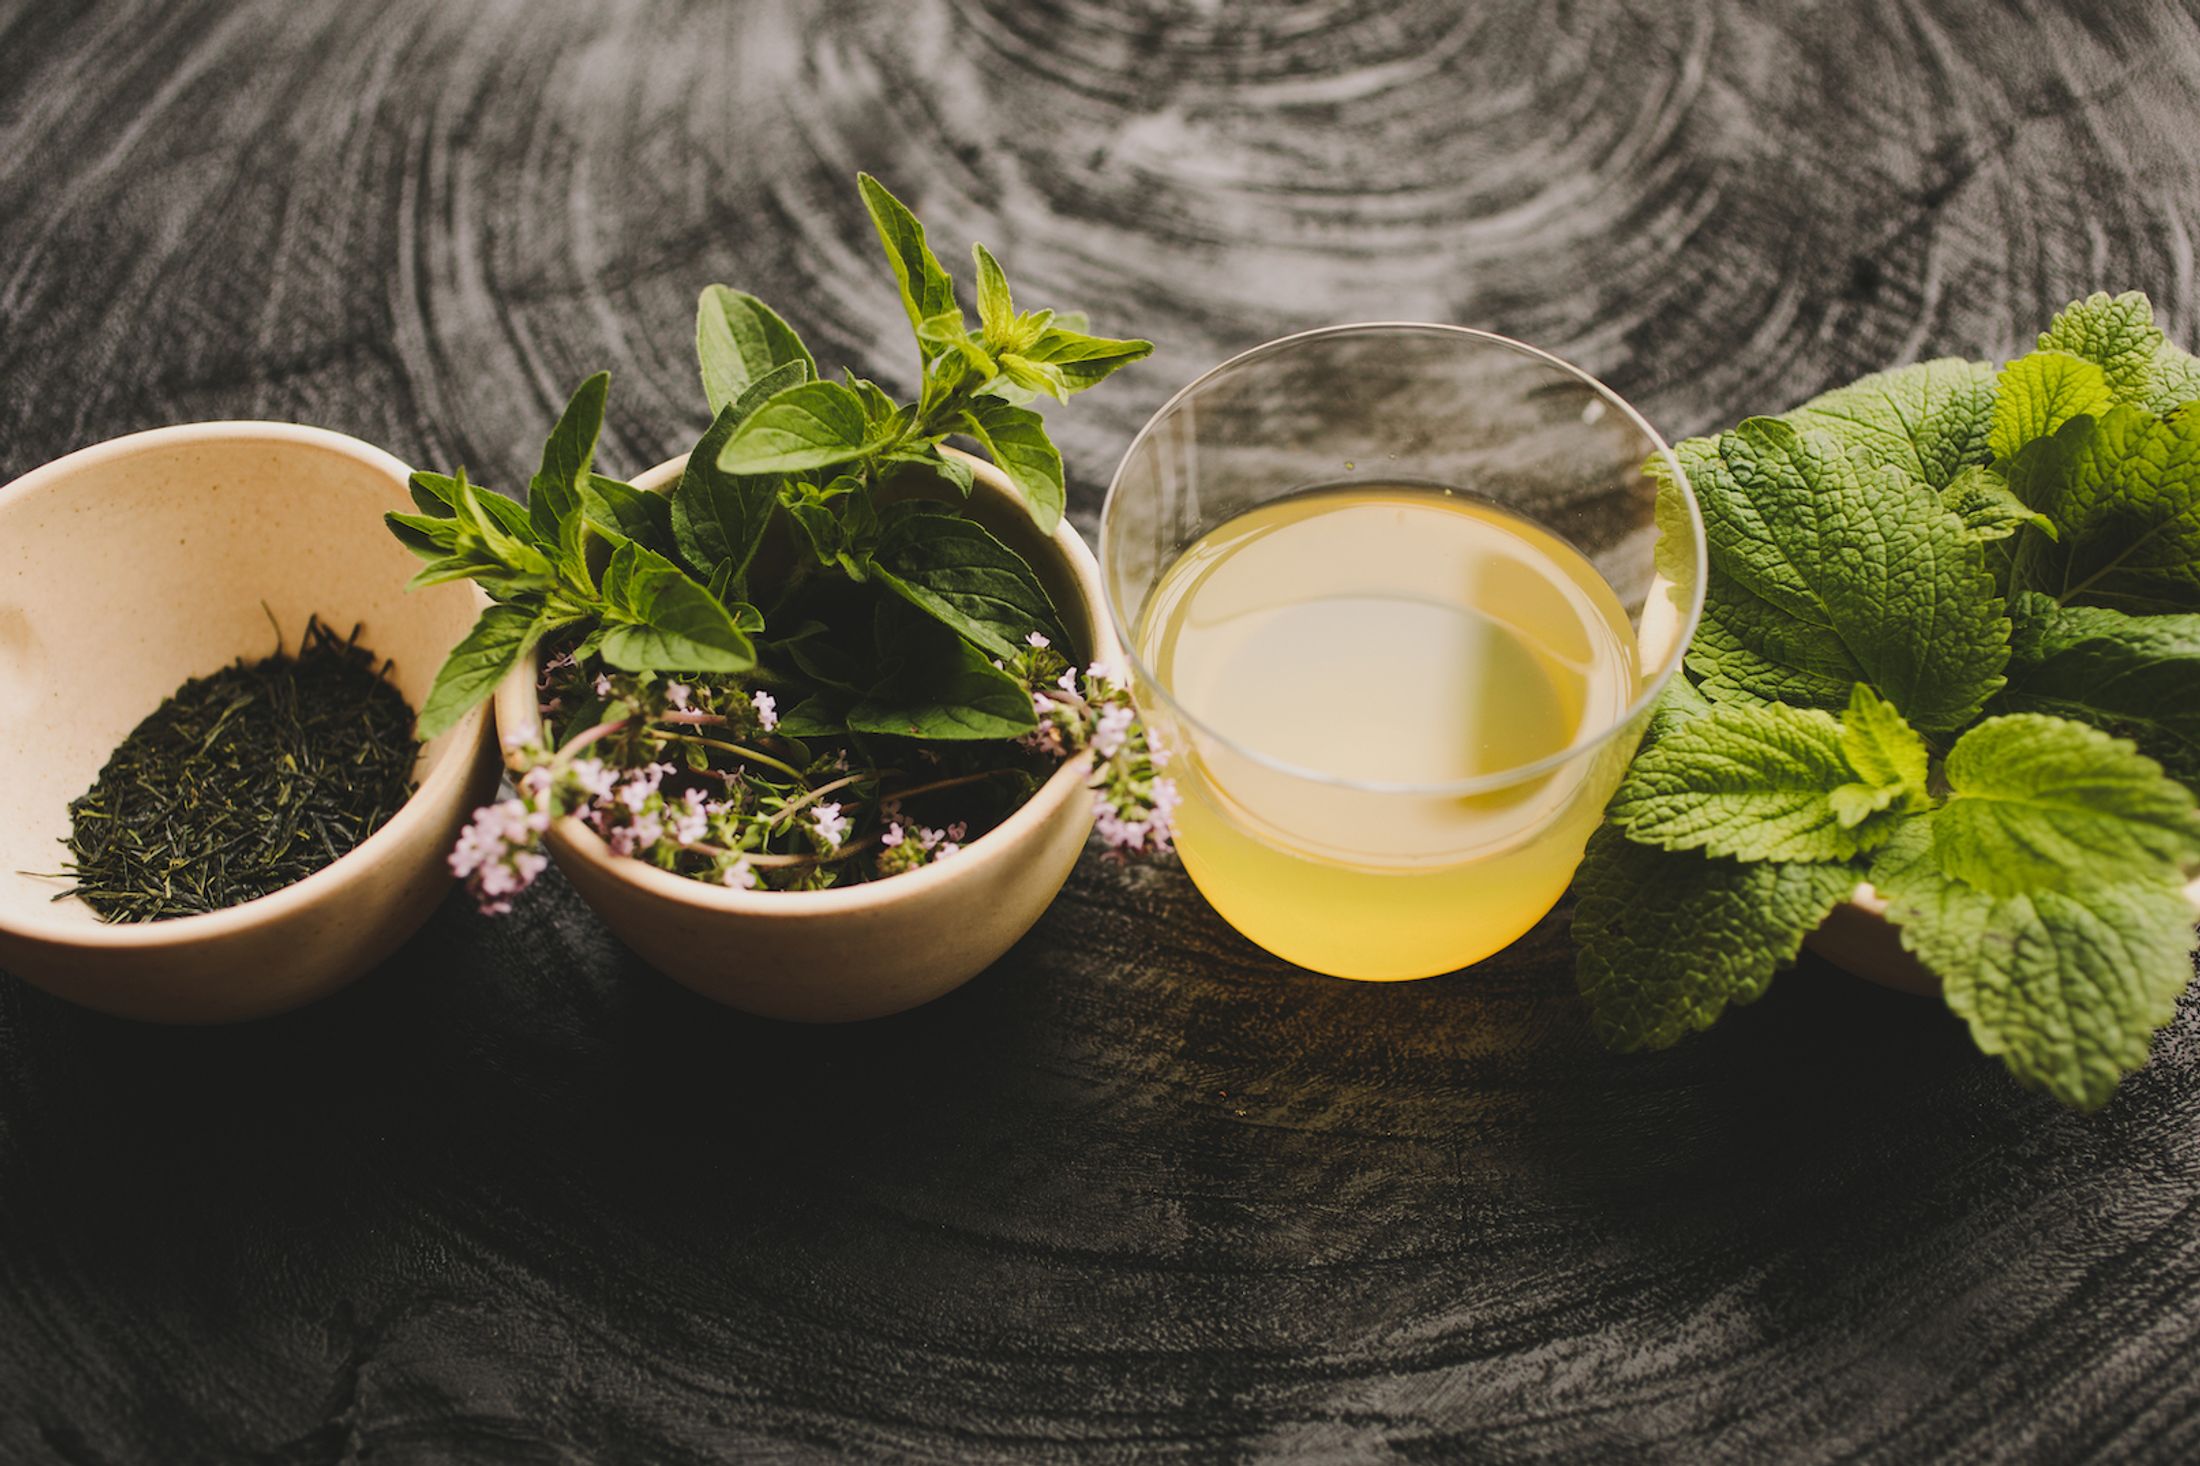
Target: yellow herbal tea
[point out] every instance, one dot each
(1405, 640)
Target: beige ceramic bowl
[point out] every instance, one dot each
(858, 951)
(1858, 938)
(139, 563)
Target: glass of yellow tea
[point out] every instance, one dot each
(1399, 598)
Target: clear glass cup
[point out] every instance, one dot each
(1341, 869)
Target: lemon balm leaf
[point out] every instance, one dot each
(1927, 421)
(2066, 985)
(1884, 750)
(2123, 493)
(1988, 507)
(2117, 334)
(2137, 677)
(1869, 574)
(1668, 940)
(1748, 783)
(2037, 394)
(2038, 802)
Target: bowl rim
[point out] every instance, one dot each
(1003, 843)
(441, 780)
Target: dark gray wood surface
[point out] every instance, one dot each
(1139, 1190)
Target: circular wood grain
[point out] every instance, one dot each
(1140, 1190)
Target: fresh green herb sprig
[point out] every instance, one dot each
(244, 782)
(806, 628)
(682, 591)
(1950, 646)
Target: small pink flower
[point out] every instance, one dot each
(678, 693)
(831, 825)
(1112, 731)
(593, 778)
(892, 837)
(603, 685)
(691, 821)
(1037, 639)
(767, 711)
(739, 876)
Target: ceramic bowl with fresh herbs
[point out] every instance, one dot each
(1942, 715)
(217, 808)
(818, 716)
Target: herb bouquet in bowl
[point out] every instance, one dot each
(1942, 715)
(818, 716)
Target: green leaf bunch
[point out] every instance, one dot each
(1950, 648)
(814, 546)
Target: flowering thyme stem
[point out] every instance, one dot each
(587, 736)
(739, 752)
(824, 789)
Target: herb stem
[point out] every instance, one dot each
(738, 751)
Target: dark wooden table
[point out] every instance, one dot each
(1139, 1190)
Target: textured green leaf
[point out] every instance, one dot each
(1747, 650)
(809, 425)
(1852, 575)
(513, 550)
(939, 686)
(554, 493)
(1041, 377)
(1016, 440)
(2066, 986)
(955, 571)
(2123, 492)
(1084, 361)
(1746, 782)
(949, 332)
(1989, 509)
(1668, 939)
(1927, 421)
(739, 341)
(926, 290)
(2176, 380)
(2036, 802)
(1679, 703)
(2037, 394)
(1889, 758)
(2137, 677)
(658, 619)
(719, 518)
(619, 511)
(996, 307)
(816, 716)
(430, 536)
(478, 663)
(2115, 333)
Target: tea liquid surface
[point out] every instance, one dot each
(1396, 636)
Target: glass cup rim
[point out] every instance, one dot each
(1692, 612)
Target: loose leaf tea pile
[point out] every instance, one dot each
(244, 782)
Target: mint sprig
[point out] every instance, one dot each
(1952, 609)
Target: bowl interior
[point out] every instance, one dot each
(144, 562)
